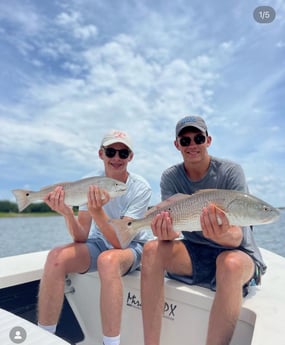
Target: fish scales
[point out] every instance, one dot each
(241, 209)
(186, 212)
(76, 192)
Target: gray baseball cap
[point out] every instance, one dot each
(191, 121)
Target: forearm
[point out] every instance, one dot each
(78, 230)
(75, 229)
(102, 220)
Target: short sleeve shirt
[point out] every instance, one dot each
(222, 174)
(133, 204)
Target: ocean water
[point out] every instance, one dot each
(22, 235)
(31, 234)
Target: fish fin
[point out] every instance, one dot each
(220, 208)
(124, 231)
(52, 186)
(165, 203)
(21, 196)
(201, 191)
(177, 196)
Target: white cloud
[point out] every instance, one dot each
(73, 21)
(140, 70)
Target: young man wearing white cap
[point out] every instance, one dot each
(95, 246)
(221, 257)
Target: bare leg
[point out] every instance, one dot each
(60, 261)
(159, 256)
(112, 264)
(234, 269)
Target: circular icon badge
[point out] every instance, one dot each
(264, 14)
(18, 335)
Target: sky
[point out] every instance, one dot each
(73, 69)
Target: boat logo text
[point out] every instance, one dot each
(169, 308)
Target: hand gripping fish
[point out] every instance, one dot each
(241, 209)
(75, 192)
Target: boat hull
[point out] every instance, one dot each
(186, 312)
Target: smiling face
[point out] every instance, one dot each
(193, 145)
(115, 165)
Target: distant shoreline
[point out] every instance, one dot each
(32, 214)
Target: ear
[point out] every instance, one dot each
(131, 156)
(176, 144)
(209, 140)
(100, 153)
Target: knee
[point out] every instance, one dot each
(229, 266)
(151, 258)
(107, 263)
(150, 250)
(55, 260)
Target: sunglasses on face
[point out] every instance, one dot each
(110, 152)
(198, 139)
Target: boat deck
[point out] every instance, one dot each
(262, 315)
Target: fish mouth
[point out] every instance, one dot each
(121, 189)
(272, 218)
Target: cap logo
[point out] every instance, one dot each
(118, 134)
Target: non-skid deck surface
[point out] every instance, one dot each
(15, 330)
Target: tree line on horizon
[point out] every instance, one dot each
(7, 206)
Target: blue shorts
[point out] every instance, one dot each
(96, 246)
(203, 258)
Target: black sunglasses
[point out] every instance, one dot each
(198, 139)
(110, 152)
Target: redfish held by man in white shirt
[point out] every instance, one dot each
(75, 192)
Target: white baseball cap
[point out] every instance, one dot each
(117, 136)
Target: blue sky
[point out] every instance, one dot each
(70, 70)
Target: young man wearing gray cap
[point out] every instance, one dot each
(95, 246)
(221, 257)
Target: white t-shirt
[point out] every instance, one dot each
(132, 204)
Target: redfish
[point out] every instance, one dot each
(75, 192)
(241, 209)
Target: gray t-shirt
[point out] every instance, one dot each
(222, 174)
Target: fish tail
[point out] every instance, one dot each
(21, 196)
(124, 230)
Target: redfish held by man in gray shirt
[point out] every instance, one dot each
(241, 209)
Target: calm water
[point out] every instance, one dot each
(30, 234)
